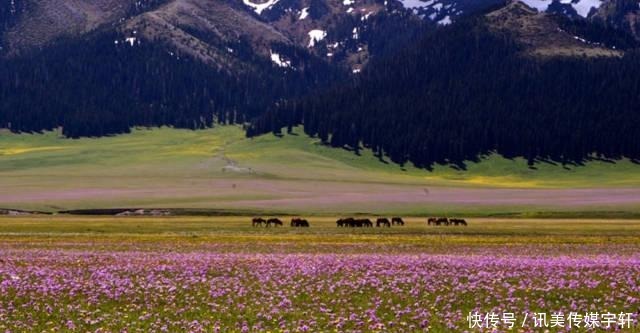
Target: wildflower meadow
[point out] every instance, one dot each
(329, 281)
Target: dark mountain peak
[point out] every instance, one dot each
(39, 22)
(542, 34)
(621, 14)
(211, 31)
(517, 8)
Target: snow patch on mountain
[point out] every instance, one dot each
(304, 13)
(279, 60)
(411, 4)
(540, 5)
(438, 10)
(442, 12)
(260, 7)
(445, 21)
(131, 40)
(582, 7)
(315, 36)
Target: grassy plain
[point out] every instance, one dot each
(221, 169)
(219, 274)
(71, 273)
(236, 232)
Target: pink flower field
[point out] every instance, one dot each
(79, 290)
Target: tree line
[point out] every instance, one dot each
(94, 86)
(467, 90)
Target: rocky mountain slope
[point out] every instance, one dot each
(32, 24)
(339, 31)
(344, 32)
(97, 67)
(622, 14)
(514, 81)
(543, 35)
(208, 30)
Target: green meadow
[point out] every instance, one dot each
(63, 273)
(221, 169)
(237, 232)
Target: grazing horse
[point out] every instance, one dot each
(351, 223)
(397, 220)
(258, 221)
(359, 223)
(344, 222)
(298, 222)
(354, 223)
(442, 220)
(383, 221)
(458, 222)
(366, 223)
(431, 220)
(275, 221)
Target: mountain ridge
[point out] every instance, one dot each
(542, 34)
(480, 91)
(195, 63)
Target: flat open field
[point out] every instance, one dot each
(219, 274)
(221, 169)
(74, 273)
(237, 231)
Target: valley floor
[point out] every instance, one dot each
(220, 274)
(221, 169)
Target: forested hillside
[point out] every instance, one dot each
(176, 63)
(469, 89)
(419, 82)
(105, 84)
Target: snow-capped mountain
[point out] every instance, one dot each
(186, 62)
(350, 32)
(581, 7)
(344, 32)
(444, 11)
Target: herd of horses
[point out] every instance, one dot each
(276, 222)
(351, 222)
(446, 221)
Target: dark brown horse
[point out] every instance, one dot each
(438, 221)
(354, 223)
(258, 221)
(367, 223)
(344, 222)
(442, 220)
(275, 221)
(383, 221)
(458, 222)
(397, 220)
(298, 222)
